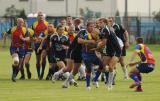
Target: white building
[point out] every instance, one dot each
(61, 7)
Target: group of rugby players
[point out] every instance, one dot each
(69, 47)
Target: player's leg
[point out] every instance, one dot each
(122, 62)
(38, 59)
(106, 60)
(88, 73)
(112, 65)
(43, 56)
(27, 64)
(21, 68)
(21, 54)
(15, 64)
(133, 74)
(100, 65)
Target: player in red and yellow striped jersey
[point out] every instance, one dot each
(19, 35)
(39, 27)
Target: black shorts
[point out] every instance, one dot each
(60, 56)
(75, 55)
(51, 56)
(110, 51)
(123, 51)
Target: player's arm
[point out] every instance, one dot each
(126, 36)
(26, 38)
(103, 40)
(134, 54)
(83, 41)
(42, 42)
(51, 41)
(66, 44)
(5, 34)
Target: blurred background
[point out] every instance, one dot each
(139, 17)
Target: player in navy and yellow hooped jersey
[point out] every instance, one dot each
(19, 35)
(39, 27)
(59, 44)
(50, 52)
(145, 65)
(88, 54)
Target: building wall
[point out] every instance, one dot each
(58, 7)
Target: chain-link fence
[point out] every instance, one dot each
(146, 27)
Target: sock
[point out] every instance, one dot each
(139, 77)
(97, 76)
(110, 78)
(14, 70)
(43, 68)
(114, 77)
(54, 70)
(70, 77)
(49, 72)
(139, 86)
(27, 65)
(60, 71)
(106, 74)
(38, 69)
(125, 71)
(88, 76)
(22, 72)
(134, 77)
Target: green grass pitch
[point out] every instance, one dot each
(35, 90)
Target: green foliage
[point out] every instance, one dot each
(156, 15)
(89, 14)
(14, 12)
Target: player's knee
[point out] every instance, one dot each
(15, 61)
(66, 75)
(26, 64)
(130, 74)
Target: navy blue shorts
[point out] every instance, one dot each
(19, 51)
(145, 67)
(123, 51)
(90, 59)
(51, 56)
(60, 56)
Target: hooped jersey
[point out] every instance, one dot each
(87, 47)
(119, 30)
(48, 35)
(28, 45)
(16, 32)
(39, 27)
(57, 42)
(144, 53)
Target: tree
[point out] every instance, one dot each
(14, 12)
(156, 15)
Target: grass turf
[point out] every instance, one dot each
(35, 90)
